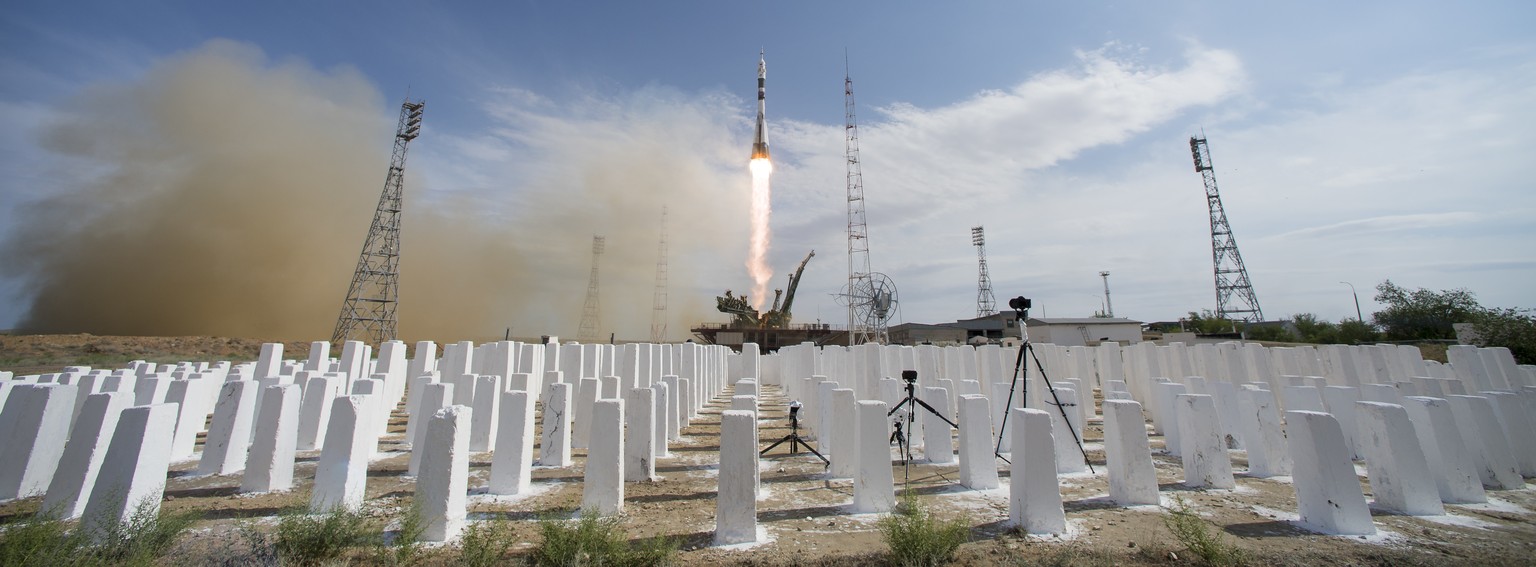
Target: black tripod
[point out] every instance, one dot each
(794, 436)
(912, 403)
(1021, 307)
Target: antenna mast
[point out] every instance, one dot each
(590, 319)
(1109, 308)
(368, 313)
(1234, 293)
(986, 303)
(659, 298)
(858, 230)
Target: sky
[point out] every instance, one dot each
(1352, 142)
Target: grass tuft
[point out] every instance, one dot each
(595, 540)
(313, 539)
(917, 539)
(146, 537)
(1195, 534)
(485, 543)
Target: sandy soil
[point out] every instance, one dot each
(804, 513)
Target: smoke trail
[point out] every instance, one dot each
(225, 194)
(762, 235)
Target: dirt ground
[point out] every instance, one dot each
(804, 513)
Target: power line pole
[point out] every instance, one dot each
(590, 312)
(659, 298)
(1109, 308)
(986, 303)
(1235, 299)
(368, 313)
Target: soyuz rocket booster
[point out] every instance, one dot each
(760, 142)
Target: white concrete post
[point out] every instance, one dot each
(1034, 497)
(1268, 454)
(270, 361)
(1518, 429)
(736, 497)
(485, 419)
(1328, 495)
(822, 421)
(315, 411)
(640, 435)
(512, 461)
(1166, 394)
(190, 417)
(1399, 473)
(224, 450)
(660, 418)
(1480, 430)
(1453, 462)
(938, 445)
(603, 480)
(845, 451)
(83, 454)
(319, 356)
(874, 486)
(587, 390)
(434, 397)
(1069, 459)
(443, 486)
(133, 472)
(555, 443)
(1205, 455)
(33, 429)
(270, 466)
(1128, 454)
(978, 470)
(674, 409)
(341, 476)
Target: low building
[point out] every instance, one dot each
(925, 334)
(1083, 332)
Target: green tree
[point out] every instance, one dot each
(1355, 331)
(1207, 323)
(1314, 330)
(1514, 329)
(1422, 314)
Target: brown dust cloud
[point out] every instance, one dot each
(225, 194)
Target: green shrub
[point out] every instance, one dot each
(311, 539)
(485, 543)
(144, 538)
(406, 545)
(596, 540)
(916, 538)
(1195, 534)
(39, 540)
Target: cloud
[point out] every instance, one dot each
(1379, 225)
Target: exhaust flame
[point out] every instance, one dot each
(762, 209)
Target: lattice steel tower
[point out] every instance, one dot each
(590, 317)
(986, 303)
(368, 313)
(859, 331)
(659, 298)
(1234, 292)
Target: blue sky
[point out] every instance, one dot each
(1352, 142)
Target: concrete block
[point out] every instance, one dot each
(1480, 430)
(187, 395)
(1034, 497)
(486, 415)
(588, 391)
(640, 434)
(75, 476)
(512, 462)
(1205, 455)
(224, 450)
(132, 475)
(341, 476)
(1268, 454)
(34, 426)
(978, 470)
(821, 423)
(938, 444)
(660, 418)
(1069, 458)
(1166, 418)
(1128, 454)
(674, 407)
(744, 403)
(442, 487)
(319, 356)
(315, 411)
(1453, 463)
(1399, 473)
(270, 466)
(555, 443)
(736, 494)
(434, 397)
(874, 487)
(269, 363)
(1328, 495)
(603, 480)
(1340, 401)
(844, 450)
(1509, 408)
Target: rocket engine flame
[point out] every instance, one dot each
(762, 210)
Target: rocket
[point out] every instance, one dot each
(760, 142)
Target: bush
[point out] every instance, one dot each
(306, 539)
(593, 539)
(144, 538)
(40, 540)
(485, 543)
(406, 545)
(1195, 534)
(916, 538)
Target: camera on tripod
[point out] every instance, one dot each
(1020, 303)
(910, 376)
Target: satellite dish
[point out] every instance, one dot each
(873, 298)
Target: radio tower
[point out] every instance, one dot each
(986, 304)
(1109, 308)
(590, 320)
(659, 299)
(1234, 293)
(858, 230)
(368, 313)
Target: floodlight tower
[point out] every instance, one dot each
(590, 318)
(859, 331)
(1234, 292)
(986, 303)
(368, 312)
(659, 298)
(1109, 308)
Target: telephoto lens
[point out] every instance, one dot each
(910, 376)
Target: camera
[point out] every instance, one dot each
(1020, 303)
(910, 376)
(794, 407)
